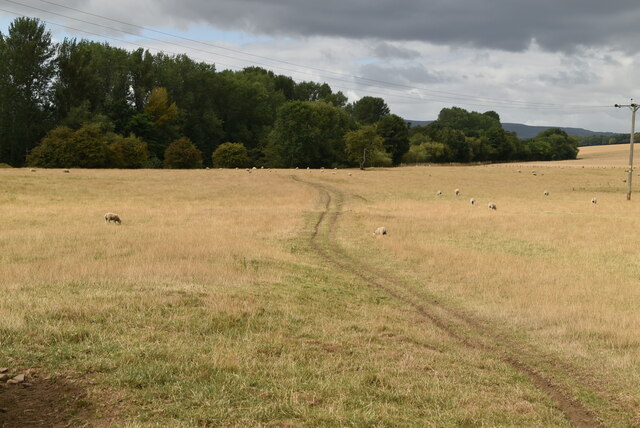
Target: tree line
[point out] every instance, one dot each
(603, 140)
(81, 103)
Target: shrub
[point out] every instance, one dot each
(182, 154)
(230, 155)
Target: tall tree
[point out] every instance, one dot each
(26, 55)
(365, 147)
(308, 134)
(369, 110)
(395, 133)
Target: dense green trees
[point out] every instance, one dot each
(92, 145)
(27, 67)
(462, 136)
(81, 103)
(553, 144)
(308, 134)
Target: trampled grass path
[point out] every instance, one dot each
(477, 334)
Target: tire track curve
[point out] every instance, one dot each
(457, 324)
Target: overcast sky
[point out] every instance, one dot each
(538, 62)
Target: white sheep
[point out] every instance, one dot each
(380, 231)
(439, 193)
(492, 206)
(457, 192)
(112, 217)
(546, 193)
(472, 201)
(594, 201)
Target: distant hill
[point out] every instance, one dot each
(527, 131)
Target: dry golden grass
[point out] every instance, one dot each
(208, 305)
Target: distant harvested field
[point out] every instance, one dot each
(229, 298)
(615, 155)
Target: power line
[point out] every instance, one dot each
(433, 94)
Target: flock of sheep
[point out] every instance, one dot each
(473, 201)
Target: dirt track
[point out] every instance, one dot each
(474, 333)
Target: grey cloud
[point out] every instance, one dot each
(386, 50)
(499, 24)
(410, 74)
(567, 78)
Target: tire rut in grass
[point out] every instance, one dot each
(453, 322)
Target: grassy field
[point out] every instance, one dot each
(229, 298)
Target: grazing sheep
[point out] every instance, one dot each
(594, 201)
(33, 170)
(439, 193)
(380, 231)
(66, 171)
(111, 217)
(472, 201)
(546, 193)
(350, 174)
(457, 192)
(492, 206)
(519, 171)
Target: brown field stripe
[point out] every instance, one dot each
(575, 412)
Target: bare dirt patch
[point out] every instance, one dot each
(44, 402)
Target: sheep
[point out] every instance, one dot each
(457, 192)
(492, 206)
(439, 193)
(111, 217)
(594, 201)
(472, 201)
(350, 174)
(33, 170)
(66, 171)
(546, 193)
(380, 231)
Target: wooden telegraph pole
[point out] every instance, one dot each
(633, 107)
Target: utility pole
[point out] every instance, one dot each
(633, 107)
